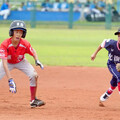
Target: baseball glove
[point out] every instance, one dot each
(118, 67)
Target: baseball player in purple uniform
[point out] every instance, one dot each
(113, 48)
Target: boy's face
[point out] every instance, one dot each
(17, 34)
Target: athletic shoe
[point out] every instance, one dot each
(104, 97)
(36, 103)
(42, 102)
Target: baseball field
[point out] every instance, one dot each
(70, 83)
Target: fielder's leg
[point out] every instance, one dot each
(114, 83)
(108, 93)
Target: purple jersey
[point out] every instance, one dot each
(113, 49)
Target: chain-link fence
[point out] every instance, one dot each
(77, 15)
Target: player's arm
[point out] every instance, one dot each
(6, 68)
(3, 56)
(35, 55)
(93, 56)
(37, 62)
(32, 52)
(106, 43)
(12, 85)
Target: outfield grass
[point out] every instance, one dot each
(65, 47)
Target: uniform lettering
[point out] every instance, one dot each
(116, 58)
(110, 57)
(2, 53)
(20, 57)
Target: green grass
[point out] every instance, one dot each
(65, 47)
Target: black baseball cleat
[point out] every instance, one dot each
(36, 103)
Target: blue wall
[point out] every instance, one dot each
(42, 16)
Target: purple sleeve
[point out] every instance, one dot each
(106, 43)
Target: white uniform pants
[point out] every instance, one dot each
(5, 13)
(23, 66)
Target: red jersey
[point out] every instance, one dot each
(12, 54)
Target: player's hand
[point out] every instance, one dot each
(118, 67)
(12, 86)
(37, 62)
(93, 56)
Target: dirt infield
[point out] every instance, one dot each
(70, 93)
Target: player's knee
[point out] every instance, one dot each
(34, 74)
(33, 79)
(113, 83)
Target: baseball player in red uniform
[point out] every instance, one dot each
(12, 53)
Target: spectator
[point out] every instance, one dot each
(87, 8)
(93, 13)
(101, 6)
(22, 7)
(115, 14)
(64, 6)
(93, 8)
(77, 6)
(46, 6)
(5, 9)
(87, 4)
(29, 6)
(56, 6)
(118, 6)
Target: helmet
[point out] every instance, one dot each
(18, 24)
(116, 33)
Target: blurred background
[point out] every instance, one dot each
(62, 13)
(64, 32)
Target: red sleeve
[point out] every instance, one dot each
(3, 52)
(29, 49)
